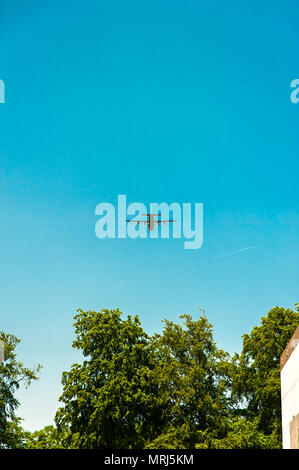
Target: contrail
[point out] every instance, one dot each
(234, 252)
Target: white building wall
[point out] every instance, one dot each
(289, 394)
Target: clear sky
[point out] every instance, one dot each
(185, 101)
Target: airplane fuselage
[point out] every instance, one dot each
(151, 222)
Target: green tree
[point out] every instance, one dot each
(241, 406)
(110, 400)
(256, 371)
(46, 438)
(191, 372)
(175, 390)
(240, 434)
(12, 374)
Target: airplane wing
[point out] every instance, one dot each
(138, 221)
(163, 221)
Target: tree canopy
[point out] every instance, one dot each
(191, 372)
(174, 390)
(110, 399)
(46, 438)
(256, 373)
(13, 373)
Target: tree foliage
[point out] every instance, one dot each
(256, 373)
(191, 373)
(110, 400)
(13, 373)
(46, 438)
(240, 434)
(174, 390)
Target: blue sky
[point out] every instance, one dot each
(162, 101)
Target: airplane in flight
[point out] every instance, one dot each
(151, 221)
